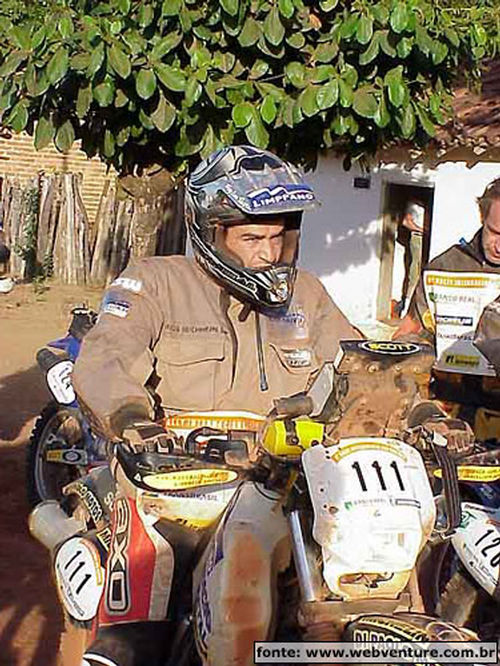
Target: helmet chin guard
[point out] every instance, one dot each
(245, 185)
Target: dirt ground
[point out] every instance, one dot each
(30, 620)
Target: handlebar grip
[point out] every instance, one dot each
(46, 358)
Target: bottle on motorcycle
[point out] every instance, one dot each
(487, 335)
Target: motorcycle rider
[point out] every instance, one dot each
(434, 317)
(235, 329)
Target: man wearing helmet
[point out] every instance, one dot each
(236, 329)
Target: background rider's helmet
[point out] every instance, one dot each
(246, 185)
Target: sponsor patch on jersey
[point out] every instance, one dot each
(298, 358)
(130, 284)
(114, 305)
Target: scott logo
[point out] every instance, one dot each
(395, 348)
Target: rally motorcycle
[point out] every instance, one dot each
(62, 446)
(360, 508)
(467, 575)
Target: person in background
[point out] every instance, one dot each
(445, 310)
(413, 224)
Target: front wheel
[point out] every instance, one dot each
(56, 429)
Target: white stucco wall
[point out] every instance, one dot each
(341, 240)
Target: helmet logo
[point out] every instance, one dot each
(281, 194)
(279, 292)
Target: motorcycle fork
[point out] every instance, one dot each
(311, 584)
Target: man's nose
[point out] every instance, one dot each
(268, 252)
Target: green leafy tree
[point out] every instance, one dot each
(143, 82)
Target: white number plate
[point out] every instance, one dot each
(59, 381)
(373, 505)
(80, 578)
(477, 542)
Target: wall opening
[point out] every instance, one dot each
(403, 251)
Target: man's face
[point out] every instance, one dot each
(257, 245)
(491, 234)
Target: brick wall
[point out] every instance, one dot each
(18, 157)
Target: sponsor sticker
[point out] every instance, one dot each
(298, 358)
(280, 194)
(130, 284)
(116, 308)
(454, 320)
(475, 473)
(462, 360)
(191, 478)
(391, 348)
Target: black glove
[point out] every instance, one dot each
(148, 436)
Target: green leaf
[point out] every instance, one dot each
(18, 117)
(382, 118)
(165, 45)
(145, 120)
(364, 30)
(399, 17)
(296, 41)
(80, 61)
(145, 15)
(250, 33)
(120, 98)
(365, 103)
(96, 60)
(21, 37)
(259, 68)
(145, 83)
(286, 8)
(44, 132)
(104, 93)
(328, 94)
(396, 92)
(119, 61)
(164, 115)
(58, 66)
(295, 72)
(242, 114)
(65, 136)
(274, 30)
(346, 94)
(83, 101)
(425, 121)
(308, 101)
(171, 77)
(340, 125)
(404, 47)
(407, 121)
(326, 51)
(380, 13)
(224, 61)
(109, 144)
(385, 45)
(322, 73)
(439, 52)
(66, 27)
(123, 136)
(123, 6)
(11, 63)
(193, 91)
(230, 6)
(371, 52)
(171, 7)
(349, 26)
(452, 37)
(268, 109)
(328, 5)
(424, 42)
(256, 133)
(38, 38)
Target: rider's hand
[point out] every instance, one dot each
(458, 433)
(148, 436)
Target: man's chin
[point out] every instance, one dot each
(492, 260)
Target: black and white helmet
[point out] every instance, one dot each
(246, 185)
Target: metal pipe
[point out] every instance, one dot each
(51, 525)
(309, 580)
